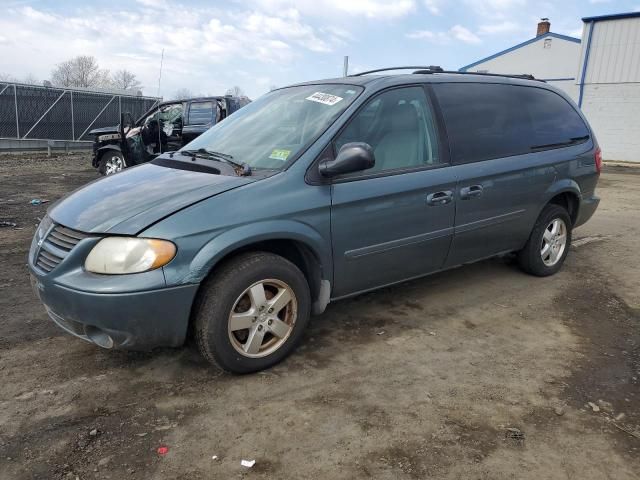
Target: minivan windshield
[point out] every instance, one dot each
(272, 130)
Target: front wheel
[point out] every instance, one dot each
(111, 162)
(548, 243)
(252, 313)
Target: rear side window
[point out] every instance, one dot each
(555, 122)
(486, 121)
(200, 113)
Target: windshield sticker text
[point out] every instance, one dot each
(324, 98)
(278, 154)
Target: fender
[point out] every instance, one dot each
(217, 248)
(103, 149)
(565, 185)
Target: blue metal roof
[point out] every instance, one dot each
(614, 16)
(520, 45)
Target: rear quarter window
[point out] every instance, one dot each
(486, 121)
(555, 121)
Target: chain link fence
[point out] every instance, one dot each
(30, 112)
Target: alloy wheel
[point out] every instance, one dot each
(262, 318)
(554, 242)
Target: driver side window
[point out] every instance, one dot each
(400, 127)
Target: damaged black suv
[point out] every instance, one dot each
(166, 127)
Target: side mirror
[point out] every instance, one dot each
(352, 157)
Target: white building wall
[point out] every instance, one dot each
(614, 55)
(611, 89)
(613, 111)
(570, 87)
(558, 61)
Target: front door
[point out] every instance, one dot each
(394, 221)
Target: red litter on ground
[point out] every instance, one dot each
(163, 450)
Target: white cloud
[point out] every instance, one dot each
(503, 4)
(464, 35)
(375, 8)
(434, 6)
(154, 3)
(383, 9)
(457, 32)
(418, 34)
(196, 41)
(494, 9)
(499, 27)
(287, 26)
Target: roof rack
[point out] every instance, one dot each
(436, 69)
(431, 69)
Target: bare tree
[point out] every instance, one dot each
(125, 80)
(182, 94)
(30, 79)
(235, 91)
(80, 71)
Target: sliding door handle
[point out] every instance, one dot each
(472, 191)
(440, 198)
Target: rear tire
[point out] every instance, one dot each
(252, 312)
(111, 162)
(548, 244)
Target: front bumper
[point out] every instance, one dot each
(137, 320)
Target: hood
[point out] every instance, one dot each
(130, 201)
(103, 130)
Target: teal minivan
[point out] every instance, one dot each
(310, 194)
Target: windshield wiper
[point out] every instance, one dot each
(243, 169)
(571, 141)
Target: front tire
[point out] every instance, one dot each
(548, 244)
(252, 313)
(111, 163)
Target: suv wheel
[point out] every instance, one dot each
(548, 243)
(111, 162)
(252, 313)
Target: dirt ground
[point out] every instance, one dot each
(481, 372)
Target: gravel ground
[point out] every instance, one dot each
(481, 372)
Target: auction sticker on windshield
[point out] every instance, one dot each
(279, 154)
(324, 98)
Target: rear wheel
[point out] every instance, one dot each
(252, 313)
(548, 243)
(111, 162)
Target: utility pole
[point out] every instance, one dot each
(346, 66)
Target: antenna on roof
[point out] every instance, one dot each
(159, 80)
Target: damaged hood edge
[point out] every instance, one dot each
(103, 130)
(132, 200)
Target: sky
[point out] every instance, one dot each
(210, 46)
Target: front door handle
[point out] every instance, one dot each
(472, 191)
(440, 198)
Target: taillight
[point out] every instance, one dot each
(598, 158)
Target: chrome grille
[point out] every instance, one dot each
(56, 246)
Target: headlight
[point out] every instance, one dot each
(121, 255)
